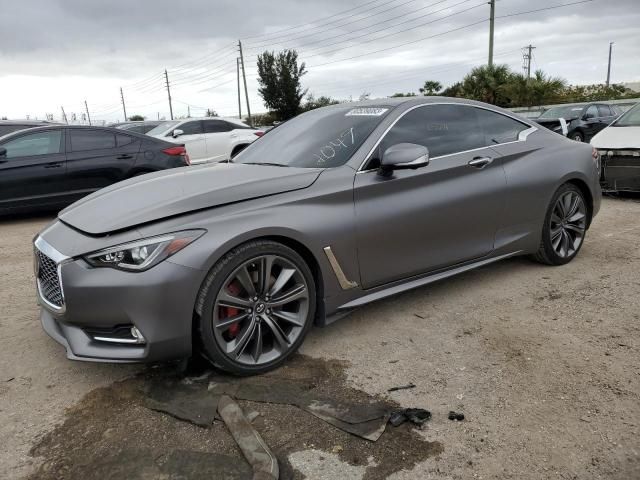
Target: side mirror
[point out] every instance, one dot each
(177, 132)
(403, 156)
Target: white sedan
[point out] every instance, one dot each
(619, 148)
(208, 139)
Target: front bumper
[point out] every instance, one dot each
(158, 302)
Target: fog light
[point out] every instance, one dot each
(137, 334)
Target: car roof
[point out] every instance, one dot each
(28, 122)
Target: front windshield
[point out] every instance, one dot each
(322, 138)
(570, 111)
(163, 127)
(629, 119)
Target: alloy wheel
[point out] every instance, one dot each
(261, 310)
(568, 224)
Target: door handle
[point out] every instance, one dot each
(480, 162)
(124, 157)
(53, 165)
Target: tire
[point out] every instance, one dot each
(565, 226)
(246, 326)
(577, 136)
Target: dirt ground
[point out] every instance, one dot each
(544, 363)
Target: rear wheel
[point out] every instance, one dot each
(238, 149)
(257, 305)
(577, 136)
(564, 227)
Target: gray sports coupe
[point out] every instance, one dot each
(339, 207)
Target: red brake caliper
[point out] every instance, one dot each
(227, 312)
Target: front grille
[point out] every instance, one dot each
(49, 280)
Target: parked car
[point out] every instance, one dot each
(51, 167)
(582, 121)
(336, 208)
(209, 139)
(140, 127)
(619, 148)
(8, 126)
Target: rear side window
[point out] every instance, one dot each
(443, 129)
(190, 128)
(499, 128)
(216, 126)
(604, 110)
(122, 140)
(40, 143)
(83, 140)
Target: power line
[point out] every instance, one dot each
(546, 8)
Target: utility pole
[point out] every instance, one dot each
(87, 109)
(166, 77)
(124, 108)
(492, 17)
(527, 60)
(239, 99)
(609, 67)
(64, 115)
(244, 78)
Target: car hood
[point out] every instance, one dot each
(617, 137)
(181, 190)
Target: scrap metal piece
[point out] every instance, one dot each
(254, 448)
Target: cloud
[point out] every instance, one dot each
(59, 52)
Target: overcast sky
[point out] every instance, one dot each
(57, 53)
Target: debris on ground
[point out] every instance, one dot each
(417, 416)
(456, 416)
(402, 387)
(262, 460)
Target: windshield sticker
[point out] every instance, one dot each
(366, 112)
(328, 151)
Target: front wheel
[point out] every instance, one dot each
(577, 136)
(564, 227)
(257, 305)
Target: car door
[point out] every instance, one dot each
(220, 137)
(592, 122)
(194, 140)
(98, 157)
(32, 172)
(422, 220)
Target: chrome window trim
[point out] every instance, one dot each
(522, 136)
(59, 259)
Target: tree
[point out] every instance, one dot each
(488, 84)
(400, 94)
(454, 90)
(136, 118)
(279, 79)
(211, 113)
(312, 102)
(537, 90)
(431, 87)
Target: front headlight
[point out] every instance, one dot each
(142, 254)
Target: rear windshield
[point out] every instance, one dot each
(322, 138)
(163, 127)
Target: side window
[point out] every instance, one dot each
(443, 129)
(499, 128)
(216, 126)
(83, 140)
(40, 143)
(592, 112)
(191, 128)
(604, 110)
(123, 140)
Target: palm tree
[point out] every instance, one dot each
(431, 87)
(538, 90)
(488, 84)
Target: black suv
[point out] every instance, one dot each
(583, 121)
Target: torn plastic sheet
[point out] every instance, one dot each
(197, 403)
